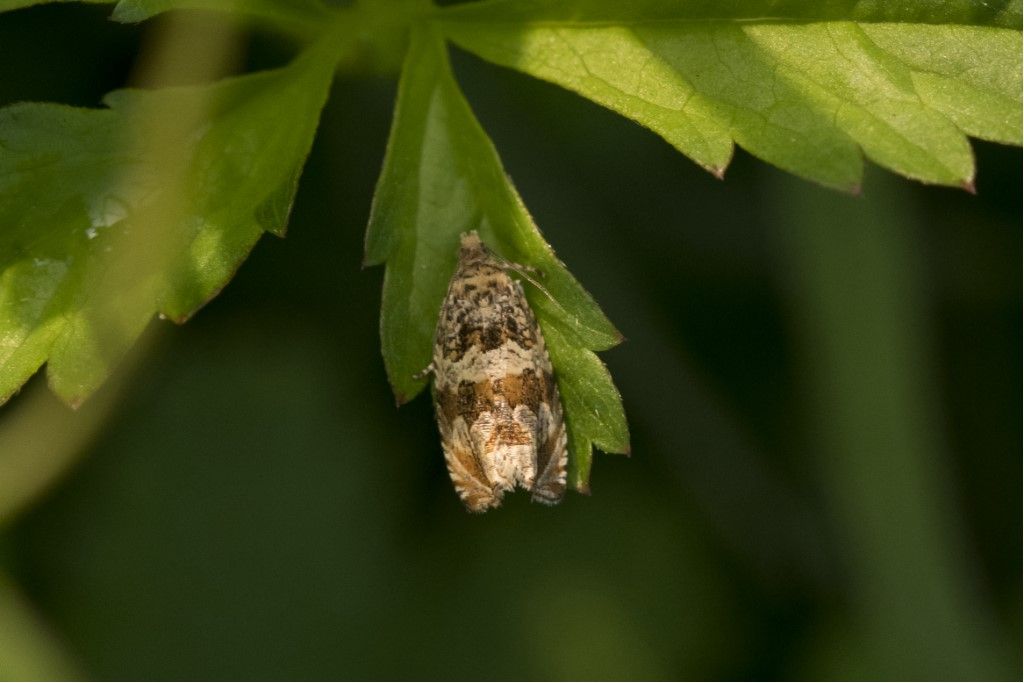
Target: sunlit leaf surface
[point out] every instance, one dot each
(810, 87)
(112, 215)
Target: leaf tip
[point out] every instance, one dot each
(124, 14)
(372, 256)
(969, 186)
(615, 337)
(7, 395)
(405, 393)
(72, 395)
(75, 401)
(583, 487)
(176, 318)
(717, 171)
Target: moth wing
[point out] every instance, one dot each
(465, 470)
(552, 455)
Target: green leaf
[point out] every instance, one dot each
(593, 407)
(304, 17)
(441, 178)
(108, 216)
(1003, 13)
(285, 13)
(8, 5)
(28, 650)
(809, 87)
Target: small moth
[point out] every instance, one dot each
(495, 396)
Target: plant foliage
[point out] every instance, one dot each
(810, 87)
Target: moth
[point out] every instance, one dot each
(497, 404)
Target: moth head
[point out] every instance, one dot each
(471, 248)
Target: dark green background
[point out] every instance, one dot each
(824, 394)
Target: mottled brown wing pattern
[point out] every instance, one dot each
(465, 470)
(497, 403)
(552, 454)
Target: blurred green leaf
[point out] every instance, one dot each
(860, 308)
(28, 651)
(8, 5)
(99, 232)
(809, 87)
(306, 17)
(286, 13)
(441, 178)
